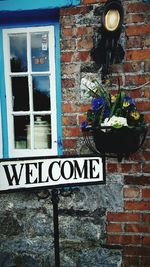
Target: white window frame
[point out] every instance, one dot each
(8, 74)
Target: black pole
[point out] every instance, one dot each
(55, 200)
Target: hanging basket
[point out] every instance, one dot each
(120, 142)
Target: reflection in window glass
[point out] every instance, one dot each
(20, 93)
(20, 125)
(18, 52)
(40, 51)
(42, 131)
(41, 93)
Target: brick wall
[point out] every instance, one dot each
(129, 228)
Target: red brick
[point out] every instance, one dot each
(146, 143)
(123, 217)
(66, 56)
(131, 192)
(146, 193)
(137, 7)
(139, 251)
(146, 41)
(143, 105)
(131, 67)
(134, 18)
(67, 32)
(81, 56)
(83, 31)
(136, 156)
(67, 83)
(137, 228)
(146, 155)
(81, 118)
(145, 261)
(68, 44)
(67, 108)
(69, 120)
(137, 30)
(146, 241)
(68, 152)
(147, 117)
(146, 168)
(71, 131)
(141, 54)
(137, 180)
(129, 261)
(67, 21)
(112, 167)
(147, 92)
(134, 42)
(129, 167)
(69, 143)
(136, 80)
(85, 43)
(74, 10)
(123, 239)
(137, 205)
(84, 107)
(134, 93)
(146, 218)
(114, 227)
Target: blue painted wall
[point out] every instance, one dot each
(18, 5)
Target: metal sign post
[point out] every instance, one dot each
(55, 200)
(65, 192)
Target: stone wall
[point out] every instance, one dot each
(103, 225)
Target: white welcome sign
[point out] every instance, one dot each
(17, 174)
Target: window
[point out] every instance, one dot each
(30, 81)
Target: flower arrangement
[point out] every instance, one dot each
(117, 127)
(110, 110)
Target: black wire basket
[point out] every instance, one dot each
(114, 142)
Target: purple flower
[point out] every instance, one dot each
(106, 113)
(84, 124)
(97, 102)
(129, 99)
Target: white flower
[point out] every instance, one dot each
(115, 121)
(87, 84)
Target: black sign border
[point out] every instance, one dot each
(56, 186)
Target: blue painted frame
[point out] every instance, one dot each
(45, 20)
(32, 5)
(3, 102)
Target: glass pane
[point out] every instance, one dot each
(20, 93)
(18, 52)
(41, 93)
(20, 130)
(40, 51)
(42, 131)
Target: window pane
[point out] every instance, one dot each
(40, 51)
(41, 93)
(20, 125)
(42, 131)
(20, 93)
(18, 52)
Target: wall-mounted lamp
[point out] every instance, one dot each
(108, 47)
(112, 19)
